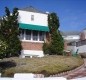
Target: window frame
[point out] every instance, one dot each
(41, 36)
(32, 17)
(21, 36)
(31, 40)
(35, 36)
(27, 34)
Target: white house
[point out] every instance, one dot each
(71, 36)
(33, 27)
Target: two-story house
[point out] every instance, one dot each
(33, 27)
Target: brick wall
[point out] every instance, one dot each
(38, 46)
(32, 45)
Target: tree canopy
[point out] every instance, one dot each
(53, 22)
(9, 33)
(56, 44)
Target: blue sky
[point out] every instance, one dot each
(71, 13)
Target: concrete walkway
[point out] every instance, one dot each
(78, 73)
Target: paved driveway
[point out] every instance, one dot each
(78, 73)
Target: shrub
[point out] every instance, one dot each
(46, 48)
(56, 45)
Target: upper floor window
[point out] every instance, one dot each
(32, 17)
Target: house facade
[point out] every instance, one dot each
(33, 31)
(83, 35)
(79, 44)
(70, 36)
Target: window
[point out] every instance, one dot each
(21, 34)
(41, 36)
(35, 35)
(28, 35)
(32, 17)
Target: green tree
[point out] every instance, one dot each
(3, 47)
(53, 22)
(56, 44)
(9, 32)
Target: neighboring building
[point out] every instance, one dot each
(70, 36)
(80, 44)
(83, 35)
(33, 27)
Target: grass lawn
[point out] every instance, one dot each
(47, 65)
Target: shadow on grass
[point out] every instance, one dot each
(7, 64)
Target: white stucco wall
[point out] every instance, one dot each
(39, 18)
(71, 48)
(72, 37)
(81, 49)
(31, 53)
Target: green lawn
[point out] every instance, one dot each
(47, 65)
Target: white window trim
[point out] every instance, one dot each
(38, 35)
(38, 41)
(24, 34)
(32, 41)
(32, 17)
(31, 35)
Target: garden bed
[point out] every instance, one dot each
(47, 65)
